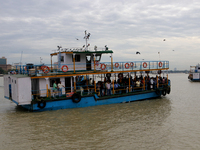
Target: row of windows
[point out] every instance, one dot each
(78, 58)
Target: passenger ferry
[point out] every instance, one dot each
(194, 74)
(84, 80)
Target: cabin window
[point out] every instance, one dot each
(88, 57)
(77, 58)
(62, 58)
(97, 57)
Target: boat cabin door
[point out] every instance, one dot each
(88, 62)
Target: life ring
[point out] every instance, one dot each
(131, 64)
(103, 66)
(76, 97)
(116, 65)
(160, 64)
(42, 104)
(42, 67)
(127, 65)
(168, 89)
(159, 71)
(45, 69)
(164, 92)
(96, 63)
(144, 65)
(64, 68)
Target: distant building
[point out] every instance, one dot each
(3, 64)
(16, 64)
(3, 61)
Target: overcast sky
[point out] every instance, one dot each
(36, 27)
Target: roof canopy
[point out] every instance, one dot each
(85, 52)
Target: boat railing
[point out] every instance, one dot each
(94, 88)
(38, 70)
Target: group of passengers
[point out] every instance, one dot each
(122, 84)
(57, 89)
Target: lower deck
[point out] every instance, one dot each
(93, 100)
(57, 92)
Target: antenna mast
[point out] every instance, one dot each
(86, 37)
(21, 58)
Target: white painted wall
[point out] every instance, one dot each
(14, 88)
(24, 91)
(42, 86)
(79, 65)
(21, 89)
(195, 75)
(7, 81)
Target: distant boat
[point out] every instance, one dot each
(194, 74)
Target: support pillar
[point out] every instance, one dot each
(94, 62)
(129, 82)
(47, 86)
(95, 88)
(111, 63)
(74, 62)
(51, 64)
(74, 84)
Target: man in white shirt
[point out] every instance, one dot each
(60, 86)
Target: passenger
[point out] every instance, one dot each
(90, 81)
(116, 86)
(55, 89)
(160, 81)
(154, 83)
(120, 82)
(104, 86)
(151, 83)
(101, 89)
(90, 90)
(163, 80)
(137, 83)
(108, 87)
(148, 83)
(60, 86)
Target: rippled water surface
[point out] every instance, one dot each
(170, 122)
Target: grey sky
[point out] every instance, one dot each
(36, 27)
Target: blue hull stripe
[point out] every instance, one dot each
(89, 101)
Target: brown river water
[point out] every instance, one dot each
(167, 123)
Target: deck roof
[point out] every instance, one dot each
(85, 52)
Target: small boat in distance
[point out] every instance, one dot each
(80, 79)
(194, 74)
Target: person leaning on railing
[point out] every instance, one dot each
(55, 89)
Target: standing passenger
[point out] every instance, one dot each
(60, 86)
(108, 87)
(55, 89)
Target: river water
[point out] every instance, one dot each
(170, 122)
